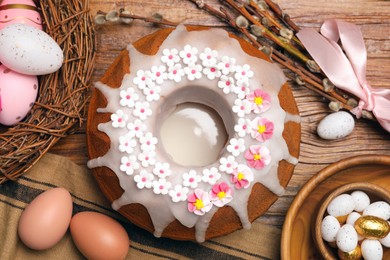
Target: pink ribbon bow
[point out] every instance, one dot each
(347, 71)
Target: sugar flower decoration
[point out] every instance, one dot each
(199, 202)
(227, 65)
(128, 97)
(162, 170)
(193, 71)
(208, 57)
(119, 119)
(147, 158)
(189, 54)
(142, 110)
(227, 164)
(241, 89)
(243, 127)
(129, 164)
(179, 193)
(191, 179)
(148, 142)
(127, 143)
(161, 186)
(262, 129)
(236, 146)
(260, 100)
(242, 107)
(257, 156)
(212, 72)
(221, 194)
(144, 179)
(211, 176)
(176, 72)
(243, 73)
(170, 57)
(152, 92)
(143, 79)
(159, 74)
(226, 84)
(242, 177)
(136, 128)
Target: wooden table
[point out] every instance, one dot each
(367, 138)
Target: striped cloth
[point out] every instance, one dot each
(261, 242)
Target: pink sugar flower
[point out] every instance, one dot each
(261, 101)
(262, 129)
(221, 194)
(257, 156)
(199, 202)
(242, 177)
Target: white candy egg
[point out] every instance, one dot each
(380, 209)
(352, 218)
(361, 200)
(386, 240)
(347, 238)
(329, 228)
(336, 125)
(341, 205)
(372, 249)
(28, 50)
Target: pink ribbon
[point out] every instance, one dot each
(347, 71)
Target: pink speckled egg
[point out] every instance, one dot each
(19, 11)
(17, 95)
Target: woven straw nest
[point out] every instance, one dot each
(62, 95)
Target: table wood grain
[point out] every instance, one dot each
(373, 17)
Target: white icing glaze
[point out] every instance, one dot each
(204, 90)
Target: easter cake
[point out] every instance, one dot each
(192, 201)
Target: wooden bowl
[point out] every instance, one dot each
(375, 192)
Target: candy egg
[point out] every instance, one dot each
(30, 51)
(372, 249)
(19, 11)
(352, 255)
(46, 219)
(386, 240)
(372, 227)
(380, 209)
(347, 238)
(341, 206)
(336, 125)
(361, 200)
(329, 228)
(98, 236)
(352, 218)
(17, 95)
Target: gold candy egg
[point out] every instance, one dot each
(353, 255)
(372, 227)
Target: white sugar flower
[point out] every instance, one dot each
(243, 72)
(193, 71)
(159, 74)
(236, 146)
(228, 164)
(227, 65)
(161, 186)
(241, 89)
(127, 143)
(212, 72)
(142, 110)
(136, 128)
(162, 170)
(143, 79)
(243, 127)
(152, 92)
(175, 73)
(211, 176)
(191, 179)
(128, 97)
(119, 119)
(188, 54)
(170, 56)
(242, 107)
(147, 158)
(129, 164)
(148, 142)
(144, 179)
(179, 193)
(226, 84)
(208, 57)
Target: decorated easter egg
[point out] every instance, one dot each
(329, 228)
(372, 249)
(380, 209)
(347, 238)
(355, 254)
(361, 200)
(341, 206)
(17, 95)
(46, 219)
(386, 240)
(28, 50)
(336, 125)
(372, 227)
(19, 11)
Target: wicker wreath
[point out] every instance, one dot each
(62, 95)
